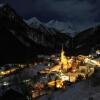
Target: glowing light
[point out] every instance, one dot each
(63, 64)
(98, 52)
(57, 84)
(5, 83)
(64, 78)
(87, 60)
(63, 60)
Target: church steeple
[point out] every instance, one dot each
(62, 54)
(63, 59)
(62, 48)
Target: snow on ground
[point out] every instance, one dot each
(79, 91)
(34, 70)
(26, 72)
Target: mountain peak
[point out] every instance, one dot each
(33, 22)
(33, 19)
(61, 26)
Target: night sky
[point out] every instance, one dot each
(81, 13)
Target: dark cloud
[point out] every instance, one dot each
(82, 13)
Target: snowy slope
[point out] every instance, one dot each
(52, 24)
(33, 22)
(79, 91)
(61, 26)
(83, 90)
(23, 40)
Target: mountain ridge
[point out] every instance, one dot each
(31, 41)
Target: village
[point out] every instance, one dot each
(53, 74)
(67, 71)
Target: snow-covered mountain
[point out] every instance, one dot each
(53, 24)
(18, 40)
(21, 40)
(61, 26)
(36, 24)
(68, 28)
(33, 22)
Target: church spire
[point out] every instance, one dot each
(62, 48)
(63, 59)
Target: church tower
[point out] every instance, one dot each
(63, 60)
